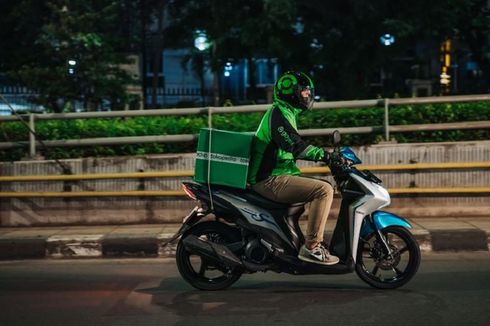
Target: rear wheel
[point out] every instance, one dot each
(383, 270)
(203, 273)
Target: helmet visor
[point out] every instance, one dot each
(307, 96)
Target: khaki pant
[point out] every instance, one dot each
(295, 189)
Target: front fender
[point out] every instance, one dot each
(383, 220)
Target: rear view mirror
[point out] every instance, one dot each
(336, 137)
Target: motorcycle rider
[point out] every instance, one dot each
(273, 172)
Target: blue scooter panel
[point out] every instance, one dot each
(383, 220)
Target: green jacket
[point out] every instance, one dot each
(277, 145)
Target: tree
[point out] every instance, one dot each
(340, 45)
(212, 16)
(337, 41)
(236, 29)
(82, 35)
(265, 30)
(342, 49)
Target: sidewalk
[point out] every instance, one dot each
(433, 234)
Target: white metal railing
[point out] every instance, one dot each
(386, 103)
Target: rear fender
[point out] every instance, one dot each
(382, 220)
(189, 221)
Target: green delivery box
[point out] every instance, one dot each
(230, 156)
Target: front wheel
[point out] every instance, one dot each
(384, 270)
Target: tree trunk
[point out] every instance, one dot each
(155, 72)
(143, 13)
(200, 68)
(252, 93)
(216, 93)
(157, 54)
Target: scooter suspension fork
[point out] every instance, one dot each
(382, 238)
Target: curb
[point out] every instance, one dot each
(459, 240)
(74, 246)
(153, 246)
(453, 240)
(109, 247)
(23, 248)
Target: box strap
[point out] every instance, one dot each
(210, 126)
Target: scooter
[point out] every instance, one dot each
(238, 231)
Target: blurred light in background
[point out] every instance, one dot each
(315, 44)
(201, 40)
(387, 39)
(228, 69)
(299, 27)
(71, 66)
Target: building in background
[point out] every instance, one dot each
(179, 85)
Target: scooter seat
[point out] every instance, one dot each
(255, 198)
(259, 200)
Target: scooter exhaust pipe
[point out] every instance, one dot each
(213, 251)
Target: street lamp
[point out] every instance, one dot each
(202, 44)
(201, 41)
(387, 39)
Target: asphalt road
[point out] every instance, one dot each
(450, 289)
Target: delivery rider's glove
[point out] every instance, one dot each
(334, 158)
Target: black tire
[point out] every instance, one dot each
(204, 278)
(380, 271)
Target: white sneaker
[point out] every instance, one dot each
(317, 255)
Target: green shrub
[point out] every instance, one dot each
(172, 125)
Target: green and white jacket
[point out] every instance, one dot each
(277, 145)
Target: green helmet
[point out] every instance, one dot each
(289, 87)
